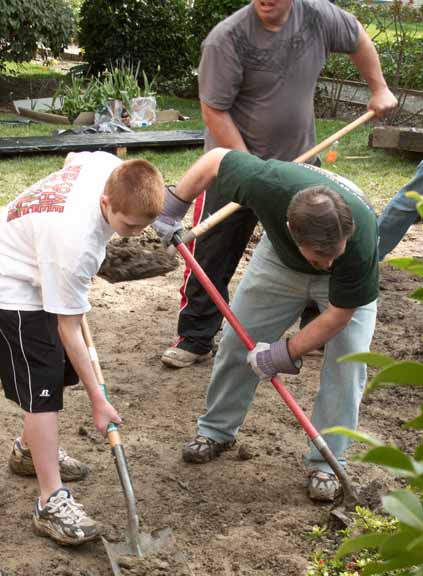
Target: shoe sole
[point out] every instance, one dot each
(175, 363)
(43, 530)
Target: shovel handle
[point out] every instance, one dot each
(232, 207)
(117, 450)
(112, 428)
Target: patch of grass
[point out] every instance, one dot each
(378, 173)
(413, 28)
(25, 130)
(30, 70)
(18, 173)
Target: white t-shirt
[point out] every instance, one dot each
(53, 238)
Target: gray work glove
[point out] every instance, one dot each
(267, 360)
(169, 222)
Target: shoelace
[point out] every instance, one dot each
(66, 509)
(62, 455)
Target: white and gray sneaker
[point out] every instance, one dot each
(64, 520)
(20, 462)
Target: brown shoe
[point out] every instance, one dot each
(179, 358)
(202, 449)
(20, 462)
(323, 486)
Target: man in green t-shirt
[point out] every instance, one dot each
(320, 244)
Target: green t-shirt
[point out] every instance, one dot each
(267, 187)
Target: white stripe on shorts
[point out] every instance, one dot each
(26, 361)
(13, 365)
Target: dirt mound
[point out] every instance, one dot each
(135, 259)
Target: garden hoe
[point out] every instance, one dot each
(137, 543)
(349, 497)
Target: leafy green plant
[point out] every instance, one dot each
(364, 521)
(150, 86)
(72, 98)
(120, 82)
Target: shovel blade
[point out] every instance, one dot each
(112, 557)
(154, 542)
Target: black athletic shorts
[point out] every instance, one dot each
(34, 367)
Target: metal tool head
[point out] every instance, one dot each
(160, 540)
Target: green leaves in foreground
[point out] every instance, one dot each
(401, 551)
(401, 372)
(395, 460)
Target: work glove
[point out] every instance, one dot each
(170, 220)
(269, 359)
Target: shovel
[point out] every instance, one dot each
(137, 543)
(232, 207)
(350, 498)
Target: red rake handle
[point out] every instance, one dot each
(350, 496)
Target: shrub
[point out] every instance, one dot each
(400, 59)
(205, 14)
(150, 32)
(26, 24)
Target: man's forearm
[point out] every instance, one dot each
(366, 59)
(201, 175)
(319, 331)
(222, 128)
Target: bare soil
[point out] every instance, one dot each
(246, 513)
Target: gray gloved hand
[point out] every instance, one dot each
(268, 359)
(169, 222)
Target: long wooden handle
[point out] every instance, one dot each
(112, 429)
(232, 207)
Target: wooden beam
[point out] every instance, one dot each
(110, 142)
(398, 138)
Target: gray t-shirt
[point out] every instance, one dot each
(266, 80)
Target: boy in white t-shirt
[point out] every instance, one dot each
(52, 242)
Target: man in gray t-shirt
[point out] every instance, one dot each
(257, 77)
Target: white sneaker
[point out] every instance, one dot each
(64, 520)
(179, 358)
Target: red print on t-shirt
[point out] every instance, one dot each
(48, 195)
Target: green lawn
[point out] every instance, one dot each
(379, 174)
(30, 70)
(413, 29)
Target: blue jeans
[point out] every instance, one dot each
(268, 300)
(399, 214)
